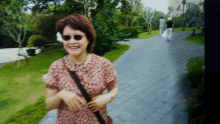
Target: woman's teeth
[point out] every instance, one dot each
(74, 48)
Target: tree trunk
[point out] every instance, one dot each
(183, 16)
(23, 54)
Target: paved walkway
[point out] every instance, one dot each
(9, 55)
(152, 81)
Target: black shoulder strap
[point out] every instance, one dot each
(85, 94)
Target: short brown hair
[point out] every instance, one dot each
(79, 22)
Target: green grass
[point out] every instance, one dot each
(187, 29)
(198, 39)
(195, 72)
(116, 53)
(145, 35)
(196, 109)
(23, 91)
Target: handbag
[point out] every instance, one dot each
(164, 34)
(85, 94)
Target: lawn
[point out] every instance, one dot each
(196, 109)
(198, 39)
(145, 35)
(21, 87)
(195, 72)
(187, 29)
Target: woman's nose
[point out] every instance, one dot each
(72, 40)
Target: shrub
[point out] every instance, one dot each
(107, 31)
(126, 30)
(55, 46)
(45, 25)
(203, 30)
(130, 32)
(36, 41)
(146, 30)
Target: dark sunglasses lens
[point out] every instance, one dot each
(66, 37)
(78, 37)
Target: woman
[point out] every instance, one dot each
(169, 30)
(96, 74)
(162, 25)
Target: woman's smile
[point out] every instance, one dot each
(74, 48)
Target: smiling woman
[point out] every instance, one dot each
(94, 72)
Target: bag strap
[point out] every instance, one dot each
(85, 94)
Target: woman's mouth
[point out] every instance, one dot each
(74, 48)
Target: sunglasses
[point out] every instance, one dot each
(76, 37)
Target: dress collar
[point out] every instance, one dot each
(72, 67)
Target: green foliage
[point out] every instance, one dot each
(194, 16)
(31, 114)
(195, 72)
(116, 53)
(13, 20)
(45, 25)
(107, 31)
(36, 41)
(198, 39)
(196, 109)
(49, 48)
(125, 7)
(130, 32)
(145, 35)
(147, 30)
(70, 7)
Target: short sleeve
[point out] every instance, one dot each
(50, 78)
(109, 75)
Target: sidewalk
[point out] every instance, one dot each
(152, 80)
(9, 55)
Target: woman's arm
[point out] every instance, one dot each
(53, 99)
(113, 93)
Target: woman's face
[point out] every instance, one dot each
(72, 46)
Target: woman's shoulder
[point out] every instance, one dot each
(101, 59)
(56, 63)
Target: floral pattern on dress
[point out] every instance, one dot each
(97, 75)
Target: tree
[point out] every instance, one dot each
(156, 19)
(148, 14)
(15, 23)
(136, 10)
(126, 9)
(178, 8)
(194, 15)
(70, 7)
(170, 10)
(41, 5)
(88, 6)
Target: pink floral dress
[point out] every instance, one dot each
(96, 76)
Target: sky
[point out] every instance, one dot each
(159, 5)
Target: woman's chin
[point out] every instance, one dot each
(73, 53)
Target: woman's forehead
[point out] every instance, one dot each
(68, 29)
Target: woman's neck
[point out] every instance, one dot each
(79, 59)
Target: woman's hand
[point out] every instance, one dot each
(98, 102)
(73, 101)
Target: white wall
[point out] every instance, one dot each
(176, 3)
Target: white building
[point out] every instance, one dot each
(176, 3)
